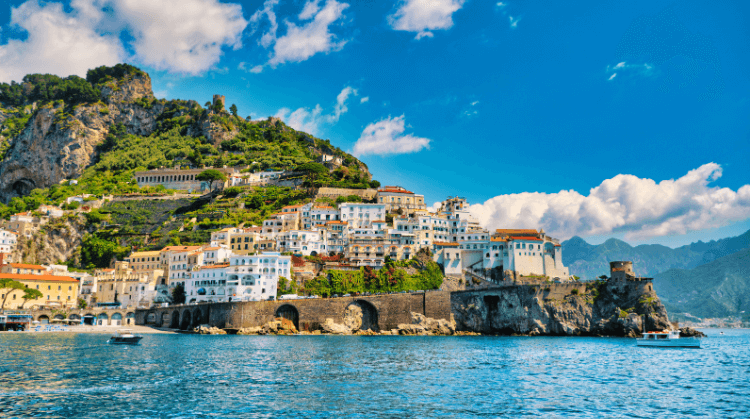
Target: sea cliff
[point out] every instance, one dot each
(611, 308)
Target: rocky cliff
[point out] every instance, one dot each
(612, 308)
(54, 243)
(60, 140)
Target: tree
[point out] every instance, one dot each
(423, 257)
(30, 294)
(233, 109)
(8, 286)
(313, 171)
(211, 176)
(82, 303)
(374, 184)
(178, 294)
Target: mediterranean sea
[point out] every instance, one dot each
(70, 375)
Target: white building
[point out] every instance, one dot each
(8, 241)
(246, 278)
(359, 215)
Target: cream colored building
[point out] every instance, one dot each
(397, 198)
(144, 262)
(26, 224)
(125, 286)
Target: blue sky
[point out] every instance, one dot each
(600, 119)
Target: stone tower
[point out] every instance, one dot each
(221, 98)
(621, 270)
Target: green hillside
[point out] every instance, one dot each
(719, 288)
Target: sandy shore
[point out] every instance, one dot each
(106, 329)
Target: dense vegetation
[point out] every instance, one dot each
(391, 278)
(47, 88)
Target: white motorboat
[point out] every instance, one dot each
(670, 339)
(125, 337)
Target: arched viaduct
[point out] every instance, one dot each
(379, 312)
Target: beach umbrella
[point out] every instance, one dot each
(35, 322)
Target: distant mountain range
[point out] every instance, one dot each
(703, 279)
(589, 261)
(717, 289)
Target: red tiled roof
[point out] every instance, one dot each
(517, 231)
(450, 244)
(27, 266)
(51, 278)
(533, 239)
(180, 248)
(392, 190)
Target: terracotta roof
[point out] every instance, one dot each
(335, 222)
(224, 265)
(211, 248)
(394, 189)
(517, 231)
(180, 248)
(534, 239)
(558, 245)
(449, 244)
(51, 278)
(498, 239)
(27, 266)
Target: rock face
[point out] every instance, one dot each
(58, 143)
(56, 241)
(614, 308)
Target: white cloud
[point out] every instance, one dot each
(364, 99)
(312, 36)
(312, 120)
(257, 69)
(514, 21)
(644, 69)
(386, 137)
(303, 119)
(57, 43)
(423, 16)
(640, 208)
(341, 107)
(185, 36)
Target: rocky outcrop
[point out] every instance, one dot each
(422, 325)
(278, 326)
(54, 242)
(59, 143)
(205, 329)
(614, 308)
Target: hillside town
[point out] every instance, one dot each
(246, 263)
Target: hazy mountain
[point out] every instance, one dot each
(590, 261)
(716, 289)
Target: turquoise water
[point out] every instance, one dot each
(182, 376)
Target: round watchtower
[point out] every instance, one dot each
(621, 270)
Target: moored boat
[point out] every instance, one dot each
(125, 337)
(670, 338)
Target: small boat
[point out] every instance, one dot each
(669, 338)
(125, 337)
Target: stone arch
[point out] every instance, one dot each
(151, 318)
(116, 319)
(174, 320)
(74, 317)
(130, 318)
(199, 317)
(102, 319)
(289, 312)
(361, 315)
(89, 319)
(43, 319)
(186, 319)
(59, 317)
